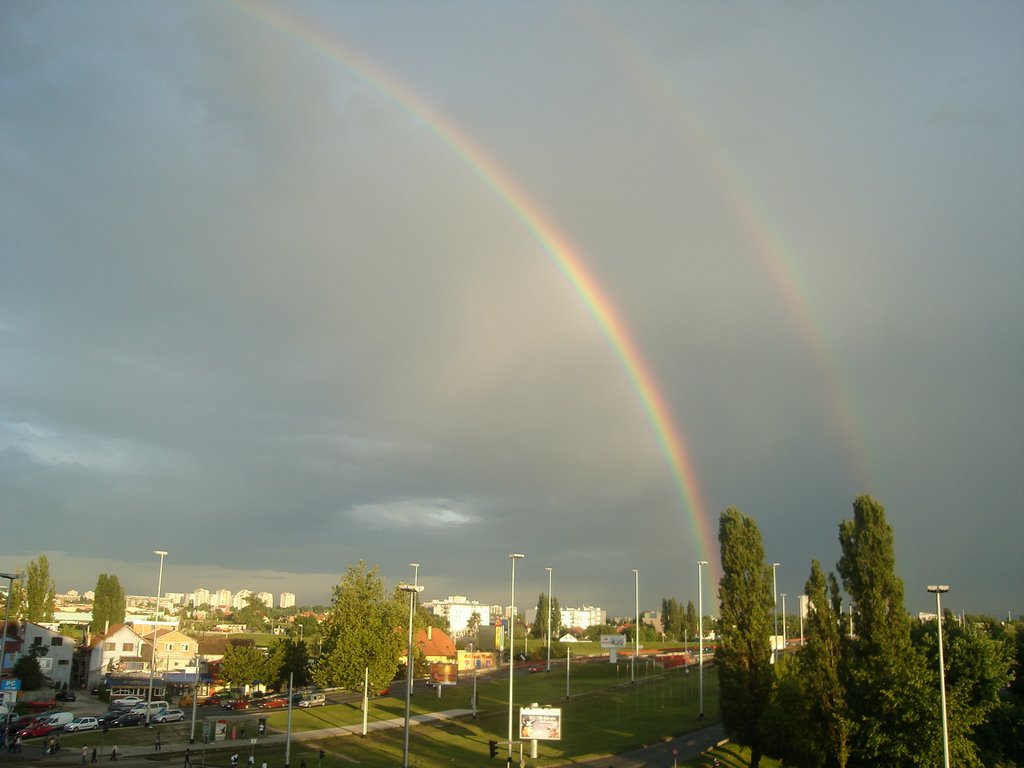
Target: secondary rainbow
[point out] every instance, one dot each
(551, 240)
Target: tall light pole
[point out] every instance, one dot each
(3, 643)
(412, 589)
(152, 653)
(636, 629)
(783, 595)
(775, 613)
(938, 590)
(550, 611)
(511, 649)
(803, 604)
(700, 630)
(415, 573)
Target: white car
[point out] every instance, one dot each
(168, 716)
(127, 702)
(83, 724)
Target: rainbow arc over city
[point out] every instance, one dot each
(767, 247)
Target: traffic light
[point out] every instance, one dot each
(493, 745)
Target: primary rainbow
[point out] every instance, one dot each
(551, 240)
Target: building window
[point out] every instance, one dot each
(37, 641)
(168, 646)
(56, 641)
(184, 647)
(62, 661)
(110, 646)
(127, 646)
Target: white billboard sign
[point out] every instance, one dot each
(540, 723)
(613, 641)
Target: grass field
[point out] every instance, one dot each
(604, 715)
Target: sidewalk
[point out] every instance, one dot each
(32, 749)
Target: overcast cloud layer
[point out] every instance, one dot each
(255, 311)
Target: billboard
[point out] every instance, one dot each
(444, 673)
(613, 641)
(540, 723)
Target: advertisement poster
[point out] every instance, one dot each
(540, 723)
(444, 673)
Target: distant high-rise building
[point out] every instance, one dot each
(287, 600)
(266, 598)
(586, 616)
(239, 600)
(222, 598)
(201, 597)
(459, 610)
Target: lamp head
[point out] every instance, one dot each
(939, 589)
(516, 556)
(159, 552)
(410, 587)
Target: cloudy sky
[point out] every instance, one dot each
(283, 287)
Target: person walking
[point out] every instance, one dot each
(85, 754)
(94, 754)
(113, 752)
(188, 758)
(156, 746)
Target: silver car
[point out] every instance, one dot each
(168, 716)
(83, 724)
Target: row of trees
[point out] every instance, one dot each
(863, 700)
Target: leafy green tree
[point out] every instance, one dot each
(978, 671)
(253, 614)
(362, 630)
(108, 604)
(17, 598)
(540, 624)
(673, 620)
(825, 725)
(888, 690)
(244, 665)
(40, 591)
(305, 627)
(743, 657)
(690, 623)
(27, 669)
(287, 657)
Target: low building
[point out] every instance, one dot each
(55, 664)
(120, 649)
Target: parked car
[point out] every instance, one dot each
(47, 703)
(128, 719)
(127, 702)
(312, 700)
(168, 716)
(109, 716)
(66, 695)
(36, 728)
(83, 724)
(274, 702)
(241, 703)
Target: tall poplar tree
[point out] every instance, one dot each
(364, 628)
(743, 656)
(40, 591)
(692, 624)
(885, 678)
(540, 623)
(108, 603)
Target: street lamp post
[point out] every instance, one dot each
(783, 596)
(511, 649)
(802, 603)
(636, 629)
(700, 630)
(550, 610)
(152, 653)
(412, 589)
(3, 642)
(938, 590)
(775, 613)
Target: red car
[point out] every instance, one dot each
(49, 703)
(242, 703)
(274, 702)
(36, 728)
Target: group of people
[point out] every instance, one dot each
(52, 745)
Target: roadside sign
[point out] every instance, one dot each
(10, 684)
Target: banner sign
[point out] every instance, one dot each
(540, 723)
(613, 641)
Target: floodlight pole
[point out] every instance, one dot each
(938, 590)
(152, 653)
(511, 649)
(549, 570)
(412, 589)
(636, 628)
(775, 613)
(700, 630)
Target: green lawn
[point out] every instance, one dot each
(605, 715)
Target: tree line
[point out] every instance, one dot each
(869, 697)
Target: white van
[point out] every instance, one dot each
(59, 719)
(313, 700)
(150, 708)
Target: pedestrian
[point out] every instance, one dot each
(234, 760)
(85, 755)
(17, 743)
(56, 743)
(94, 754)
(113, 752)
(264, 764)
(252, 762)
(156, 746)
(188, 758)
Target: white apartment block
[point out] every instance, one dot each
(586, 616)
(239, 599)
(221, 598)
(200, 597)
(458, 610)
(287, 600)
(266, 598)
